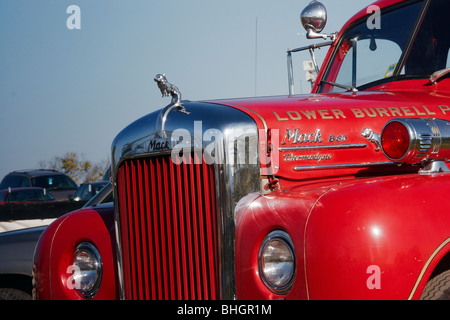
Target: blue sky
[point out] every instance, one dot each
(65, 90)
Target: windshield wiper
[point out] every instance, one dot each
(439, 74)
(348, 88)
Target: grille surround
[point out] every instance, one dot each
(233, 180)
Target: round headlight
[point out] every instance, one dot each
(88, 269)
(277, 262)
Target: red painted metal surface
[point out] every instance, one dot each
(346, 115)
(341, 229)
(394, 223)
(168, 229)
(57, 245)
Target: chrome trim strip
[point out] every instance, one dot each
(344, 166)
(326, 147)
(118, 233)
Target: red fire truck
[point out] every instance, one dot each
(338, 194)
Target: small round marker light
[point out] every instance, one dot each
(395, 140)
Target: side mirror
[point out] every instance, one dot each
(314, 19)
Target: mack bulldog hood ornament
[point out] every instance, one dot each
(168, 89)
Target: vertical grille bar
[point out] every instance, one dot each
(136, 231)
(155, 233)
(189, 224)
(165, 213)
(131, 230)
(168, 228)
(163, 254)
(149, 228)
(176, 232)
(200, 235)
(195, 231)
(144, 292)
(184, 264)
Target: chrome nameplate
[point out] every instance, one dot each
(159, 144)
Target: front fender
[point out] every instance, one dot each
(377, 238)
(56, 247)
(256, 217)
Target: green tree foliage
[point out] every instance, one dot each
(76, 167)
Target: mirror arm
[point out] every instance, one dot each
(311, 49)
(314, 35)
(313, 58)
(290, 73)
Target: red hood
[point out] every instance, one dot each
(322, 131)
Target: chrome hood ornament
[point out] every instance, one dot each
(168, 89)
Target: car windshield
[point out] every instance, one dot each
(29, 195)
(88, 190)
(375, 51)
(54, 182)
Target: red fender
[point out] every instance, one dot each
(373, 238)
(56, 247)
(378, 238)
(256, 217)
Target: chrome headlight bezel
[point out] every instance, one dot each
(89, 290)
(278, 237)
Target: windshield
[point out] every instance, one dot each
(370, 54)
(54, 182)
(88, 190)
(29, 195)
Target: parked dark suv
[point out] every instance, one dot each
(61, 186)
